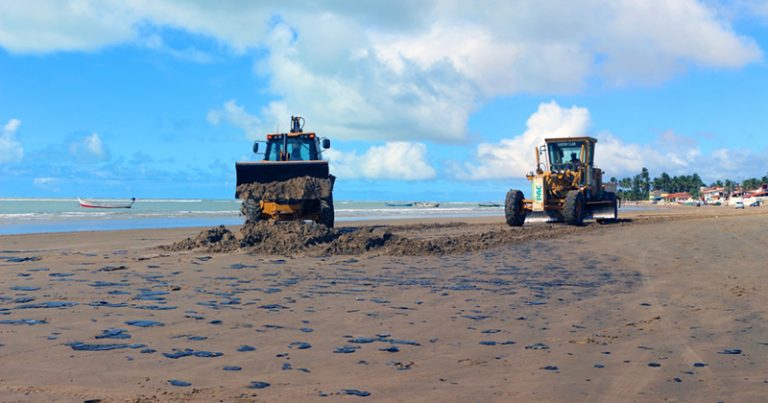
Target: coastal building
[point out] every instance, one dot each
(757, 197)
(656, 195)
(680, 197)
(712, 195)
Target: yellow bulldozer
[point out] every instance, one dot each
(291, 182)
(566, 186)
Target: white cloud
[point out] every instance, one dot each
(512, 158)
(189, 53)
(671, 152)
(88, 149)
(52, 25)
(412, 69)
(11, 151)
(394, 160)
(237, 116)
(46, 183)
(12, 126)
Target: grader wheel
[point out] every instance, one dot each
(513, 208)
(574, 209)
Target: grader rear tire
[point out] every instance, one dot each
(574, 209)
(513, 208)
(251, 209)
(327, 215)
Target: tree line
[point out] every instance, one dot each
(639, 187)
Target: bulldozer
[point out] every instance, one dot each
(566, 186)
(291, 182)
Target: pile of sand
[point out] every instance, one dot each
(285, 238)
(308, 238)
(289, 191)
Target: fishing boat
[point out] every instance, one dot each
(94, 204)
(489, 204)
(426, 204)
(390, 204)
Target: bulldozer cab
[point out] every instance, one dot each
(292, 147)
(570, 153)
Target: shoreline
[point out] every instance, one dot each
(236, 222)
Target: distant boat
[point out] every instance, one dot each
(426, 204)
(93, 204)
(489, 204)
(398, 204)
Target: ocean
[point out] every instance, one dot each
(33, 215)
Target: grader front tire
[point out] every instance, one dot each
(575, 208)
(513, 208)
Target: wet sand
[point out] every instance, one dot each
(668, 305)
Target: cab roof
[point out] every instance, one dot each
(558, 139)
(297, 134)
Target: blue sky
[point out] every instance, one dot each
(422, 100)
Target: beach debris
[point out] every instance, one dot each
(23, 300)
(114, 333)
(50, 304)
(108, 284)
(362, 340)
(259, 385)
(188, 352)
(176, 382)
(733, 351)
(107, 304)
(80, 346)
(403, 366)
(24, 288)
(12, 259)
(300, 345)
(28, 322)
(112, 268)
(144, 323)
(355, 392)
(346, 349)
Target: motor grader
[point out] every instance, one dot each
(566, 186)
(291, 182)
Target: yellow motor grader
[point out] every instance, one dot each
(566, 185)
(292, 182)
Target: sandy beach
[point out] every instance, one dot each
(667, 305)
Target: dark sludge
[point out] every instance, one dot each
(188, 352)
(80, 346)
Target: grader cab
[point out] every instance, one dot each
(566, 185)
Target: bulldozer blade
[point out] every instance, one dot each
(266, 171)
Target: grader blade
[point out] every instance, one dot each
(603, 210)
